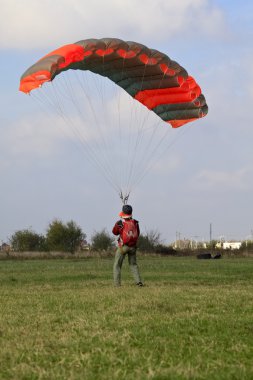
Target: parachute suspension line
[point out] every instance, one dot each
(153, 152)
(100, 154)
(113, 120)
(102, 85)
(45, 100)
(120, 163)
(126, 134)
(130, 143)
(138, 141)
(139, 134)
(125, 131)
(97, 151)
(139, 162)
(42, 104)
(114, 124)
(150, 141)
(75, 103)
(143, 161)
(103, 107)
(135, 144)
(83, 88)
(181, 132)
(148, 151)
(151, 157)
(144, 158)
(81, 136)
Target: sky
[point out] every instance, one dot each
(205, 178)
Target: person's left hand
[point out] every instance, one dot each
(120, 223)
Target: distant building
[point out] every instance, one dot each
(84, 246)
(229, 245)
(5, 247)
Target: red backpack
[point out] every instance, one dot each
(129, 234)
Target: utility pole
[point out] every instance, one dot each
(178, 237)
(210, 231)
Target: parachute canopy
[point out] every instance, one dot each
(147, 75)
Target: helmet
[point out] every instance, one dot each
(126, 211)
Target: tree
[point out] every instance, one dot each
(64, 237)
(149, 241)
(74, 236)
(101, 241)
(247, 245)
(27, 240)
(212, 244)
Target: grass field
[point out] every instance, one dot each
(63, 319)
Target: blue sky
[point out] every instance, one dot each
(205, 177)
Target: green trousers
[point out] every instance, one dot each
(118, 261)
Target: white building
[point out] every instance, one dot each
(229, 245)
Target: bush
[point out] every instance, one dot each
(149, 241)
(165, 250)
(27, 240)
(101, 241)
(64, 237)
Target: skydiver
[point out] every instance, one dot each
(128, 231)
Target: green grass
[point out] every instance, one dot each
(63, 319)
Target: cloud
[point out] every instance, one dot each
(229, 94)
(29, 139)
(222, 181)
(30, 24)
(174, 162)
